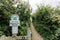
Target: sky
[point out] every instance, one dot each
(34, 3)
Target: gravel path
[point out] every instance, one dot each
(35, 35)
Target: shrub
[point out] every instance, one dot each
(7, 9)
(46, 21)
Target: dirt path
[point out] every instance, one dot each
(35, 35)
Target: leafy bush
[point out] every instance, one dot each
(47, 23)
(7, 9)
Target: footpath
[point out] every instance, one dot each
(35, 35)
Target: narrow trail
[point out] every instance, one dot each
(35, 35)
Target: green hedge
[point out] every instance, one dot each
(6, 10)
(46, 20)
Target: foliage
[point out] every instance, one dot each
(47, 22)
(7, 9)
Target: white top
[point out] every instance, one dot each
(14, 17)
